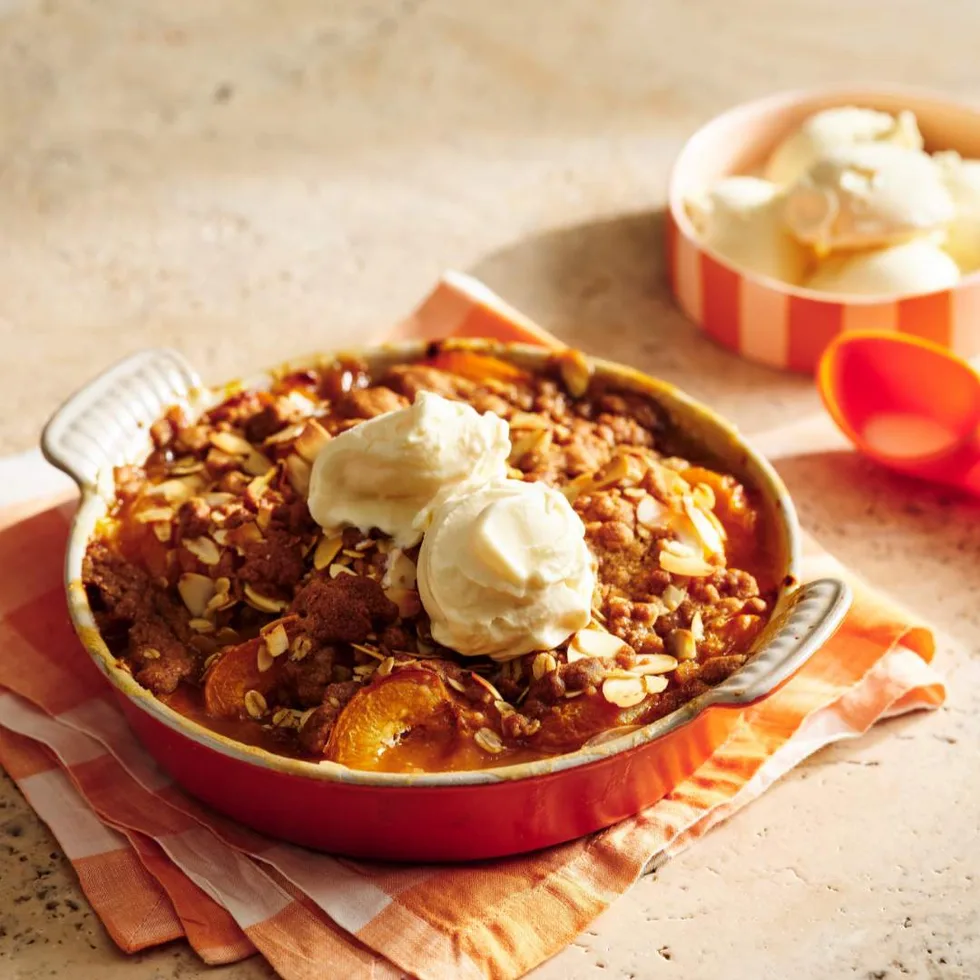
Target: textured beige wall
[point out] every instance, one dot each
(247, 180)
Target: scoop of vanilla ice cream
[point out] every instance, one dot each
(741, 219)
(505, 570)
(389, 471)
(919, 266)
(962, 179)
(866, 196)
(834, 128)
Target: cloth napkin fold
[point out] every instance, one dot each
(157, 865)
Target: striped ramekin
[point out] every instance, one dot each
(787, 326)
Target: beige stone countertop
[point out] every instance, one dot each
(246, 180)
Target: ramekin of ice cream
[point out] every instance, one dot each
(800, 216)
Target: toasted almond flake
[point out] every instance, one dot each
(217, 498)
(386, 666)
(672, 597)
(277, 640)
(487, 686)
(282, 718)
(681, 644)
(529, 420)
(538, 441)
(697, 626)
(573, 656)
(203, 549)
(227, 636)
(305, 716)
(400, 571)
(712, 542)
(210, 661)
(176, 490)
(489, 741)
(597, 643)
(650, 512)
(255, 704)
(365, 545)
(245, 534)
(263, 658)
(326, 550)
(370, 651)
(351, 553)
(634, 493)
(201, 625)
(573, 694)
(300, 648)
(654, 663)
(624, 692)
(543, 663)
(230, 443)
(220, 536)
(408, 602)
(196, 591)
(575, 371)
(150, 653)
(311, 440)
(298, 472)
(162, 532)
(615, 471)
(264, 516)
(654, 684)
(263, 603)
(364, 671)
(337, 569)
(456, 685)
(258, 464)
(689, 565)
(154, 514)
(704, 496)
(284, 435)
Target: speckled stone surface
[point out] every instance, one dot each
(247, 180)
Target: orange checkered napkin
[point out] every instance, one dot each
(156, 864)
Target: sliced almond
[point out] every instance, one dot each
(177, 490)
(689, 565)
(697, 626)
(245, 534)
(456, 685)
(326, 550)
(654, 684)
(277, 640)
(615, 471)
(672, 597)
(624, 692)
(196, 591)
(154, 514)
(257, 464)
(255, 704)
(162, 532)
(264, 659)
(489, 741)
(201, 625)
(597, 643)
(543, 663)
(263, 603)
(336, 569)
(311, 440)
(150, 653)
(386, 666)
(203, 549)
(712, 542)
(487, 686)
(681, 644)
(654, 663)
(217, 498)
(298, 473)
(650, 512)
(230, 443)
(300, 648)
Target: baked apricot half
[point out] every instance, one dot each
(404, 722)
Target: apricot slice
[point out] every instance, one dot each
(406, 721)
(574, 721)
(477, 367)
(233, 674)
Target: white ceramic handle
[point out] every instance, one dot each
(101, 424)
(817, 610)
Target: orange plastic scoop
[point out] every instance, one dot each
(907, 403)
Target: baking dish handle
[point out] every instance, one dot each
(817, 609)
(107, 420)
